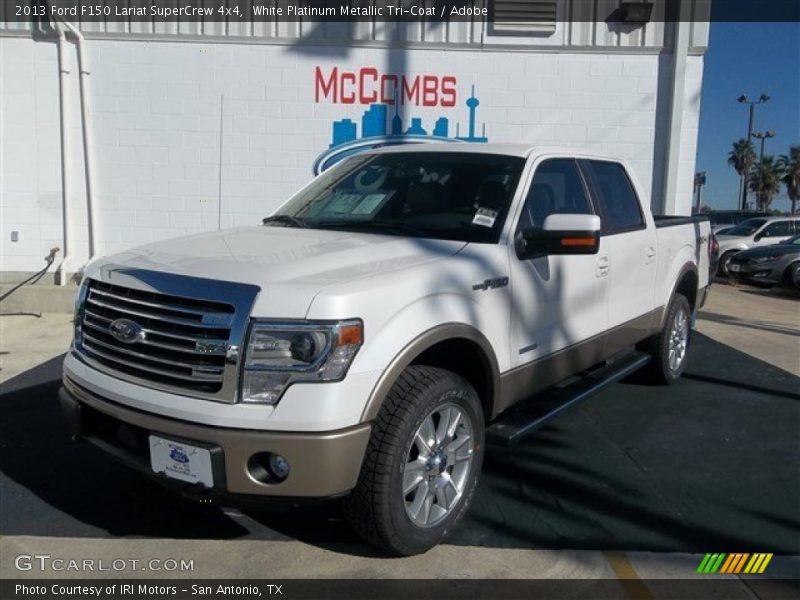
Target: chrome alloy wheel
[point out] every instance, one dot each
(438, 465)
(678, 340)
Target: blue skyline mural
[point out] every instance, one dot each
(375, 123)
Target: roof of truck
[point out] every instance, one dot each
(520, 149)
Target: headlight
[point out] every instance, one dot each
(280, 354)
(765, 259)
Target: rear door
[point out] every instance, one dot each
(631, 244)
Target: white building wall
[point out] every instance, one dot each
(156, 117)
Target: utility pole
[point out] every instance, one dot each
(743, 99)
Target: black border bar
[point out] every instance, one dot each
(430, 11)
(399, 589)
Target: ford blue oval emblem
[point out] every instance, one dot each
(126, 331)
(178, 455)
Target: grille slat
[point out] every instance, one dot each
(183, 341)
(139, 367)
(191, 349)
(154, 316)
(151, 330)
(150, 304)
(153, 358)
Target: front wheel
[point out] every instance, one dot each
(791, 277)
(422, 463)
(670, 346)
(724, 261)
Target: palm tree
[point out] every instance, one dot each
(790, 174)
(741, 156)
(765, 181)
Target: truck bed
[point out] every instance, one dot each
(672, 220)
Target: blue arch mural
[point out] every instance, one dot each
(378, 130)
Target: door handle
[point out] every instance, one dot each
(650, 253)
(602, 266)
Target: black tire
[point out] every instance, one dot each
(659, 370)
(722, 267)
(791, 276)
(376, 507)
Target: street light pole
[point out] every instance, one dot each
(763, 136)
(743, 99)
(699, 182)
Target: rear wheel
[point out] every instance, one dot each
(422, 463)
(670, 346)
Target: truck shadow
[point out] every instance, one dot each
(53, 486)
(703, 464)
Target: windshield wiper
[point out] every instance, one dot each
(285, 219)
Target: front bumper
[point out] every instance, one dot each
(323, 465)
(756, 275)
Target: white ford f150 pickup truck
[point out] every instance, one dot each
(371, 334)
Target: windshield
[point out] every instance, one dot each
(445, 195)
(748, 227)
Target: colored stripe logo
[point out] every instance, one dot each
(741, 562)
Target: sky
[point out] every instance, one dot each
(747, 58)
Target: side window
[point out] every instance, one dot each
(618, 204)
(779, 229)
(557, 187)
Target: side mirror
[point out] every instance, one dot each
(758, 237)
(561, 234)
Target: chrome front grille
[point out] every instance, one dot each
(187, 344)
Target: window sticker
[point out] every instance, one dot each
(484, 217)
(370, 203)
(342, 203)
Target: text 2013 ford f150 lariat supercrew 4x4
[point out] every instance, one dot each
(379, 326)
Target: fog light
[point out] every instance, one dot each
(278, 466)
(266, 467)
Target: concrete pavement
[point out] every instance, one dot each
(637, 482)
(762, 323)
(27, 341)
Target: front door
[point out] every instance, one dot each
(558, 302)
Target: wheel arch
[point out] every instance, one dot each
(687, 283)
(476, 362)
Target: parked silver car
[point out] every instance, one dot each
(768, 265)
(753, 233)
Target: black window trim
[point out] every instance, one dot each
(584, 164)
(529, 183)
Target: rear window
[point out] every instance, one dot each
(617, 201)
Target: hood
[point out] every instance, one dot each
(290, 265)
(772, 250)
